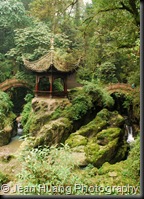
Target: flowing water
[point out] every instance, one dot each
(130, 137)
(14, 144)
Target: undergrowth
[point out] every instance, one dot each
(84, 99)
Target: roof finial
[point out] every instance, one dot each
(52, 48)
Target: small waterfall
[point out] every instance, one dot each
(19, 129)
(130, 137)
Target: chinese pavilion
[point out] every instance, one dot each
(51, 72)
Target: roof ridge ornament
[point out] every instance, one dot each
(52, 48)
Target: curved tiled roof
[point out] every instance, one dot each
(52, 58)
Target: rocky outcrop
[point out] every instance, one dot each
(5, 135)
(54, 132)
(100, 140)
(44, 128)
(6, 132)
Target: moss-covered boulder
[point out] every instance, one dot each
(113, 118)
(97, 153)
(102, 139)
(54, 132)
(75, 140)
(42, 113)
(5, 135)
(6, 131)
(107, 135)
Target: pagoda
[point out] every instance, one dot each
(48, 69)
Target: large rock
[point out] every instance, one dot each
(42, 111)
(54, 132)
(104, 147)
(6, 128)
(5, 135)
(100, 140)
(76, 140)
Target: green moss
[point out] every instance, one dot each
(122, 151)
(97, 155)
(112, 118)
(56, 113)
(105, 168)
(133, 161)
(104, 114)
(92, 128)
(92, 151)
(116, 119)
(75, 140)
(109, 134)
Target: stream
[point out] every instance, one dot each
(14, 144)
(12, 147)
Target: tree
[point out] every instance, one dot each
(12, 16)
(111, 35)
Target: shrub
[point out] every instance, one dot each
(83, 100)
(48, 167)
(3, 178)
(134, 160)
(99, 94)
(6, 106)
(26, 113)
(80, 105)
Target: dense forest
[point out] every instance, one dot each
(76, 145)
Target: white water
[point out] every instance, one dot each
(130, 137)
(19, 129)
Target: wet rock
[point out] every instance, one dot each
(5, 135)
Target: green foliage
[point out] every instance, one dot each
(12, 13)
(109, 45)
(28, 97)
(134, 161)
(47, 166)
(6, 104)
(99, 94)
(80, 105)
(25, 113)
(12, 16)
(107, 73)
(83, 100)
(128, 101)
(58, 85)
(32, 41)
(3, 178)
(136, 105)
(23, 75)
(56, 113)
(6, 68)
(26, 121)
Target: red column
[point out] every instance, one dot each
(51, 85)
